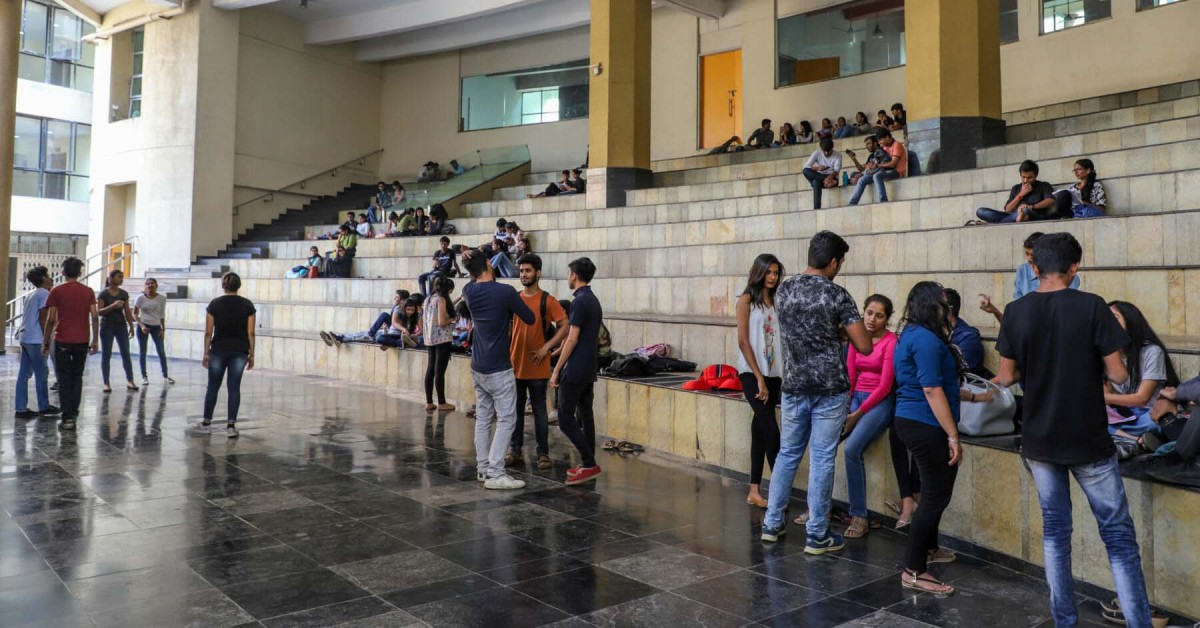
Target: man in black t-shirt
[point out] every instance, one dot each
(1030, 199)
(444, 264)
(575, 374)
(1061, 344)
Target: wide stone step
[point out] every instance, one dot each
(1123, 100)
(1104, 120)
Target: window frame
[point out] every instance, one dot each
(46, 55)
(775, 72)
(1139, 7)
(70, 175)
(541, 112)
(1017, 12)
(138, 46)
(1086, 22)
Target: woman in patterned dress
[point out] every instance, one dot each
(760, 365)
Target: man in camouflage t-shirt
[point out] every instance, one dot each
(813, 311)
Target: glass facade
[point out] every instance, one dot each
(1142, 5)
(1009, 28)
(52, 50)
(51, 158)
(1060, 15)
(135, 81)
(531, 96)
(842, 41)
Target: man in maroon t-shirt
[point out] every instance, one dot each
(70, 308)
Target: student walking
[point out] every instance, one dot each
(575, 374)
(70, 308)
(813, 313)
(438, 328)
(228, 351)
(760, 365)
(32, 361)
(116, 323)
(1062, 345)
(493, 306)
(150, 312)
(531, 347)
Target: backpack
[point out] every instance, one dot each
(629, 365)
(548, 330)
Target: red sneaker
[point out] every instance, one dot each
(584, 475)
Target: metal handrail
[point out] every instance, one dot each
(306, 179)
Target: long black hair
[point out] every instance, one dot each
(756, 285)
(806, 127)
(1085, 193)
(411, 322)
(926, 306)
(1140, 334)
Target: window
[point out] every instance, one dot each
(846, 40)
(1060, 15)
(51, 158)
(531, 96)
(1009, 26)
(52, 48)
(1142, 5)
(135, 81)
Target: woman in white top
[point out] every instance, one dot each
(150, 312)
(760, 365)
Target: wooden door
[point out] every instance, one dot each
(721, 97)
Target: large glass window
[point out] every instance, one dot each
(52, 50)
(1060, 15)
(1142, 5)
(1009, 26)
(135, 81)
(845, 40)
(531, 96)
(51, 158)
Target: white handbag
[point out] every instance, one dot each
(987, 418)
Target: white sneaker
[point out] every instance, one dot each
(481, 476)
(231, 431)
(202, 428)
(504, 483)
(145, 381)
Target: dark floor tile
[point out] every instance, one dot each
(585, 590)
(881, 593)
(393, 619)
(166, 511)
(295, 519)
(640, 521)
(675, 536)
(491, 553)
(616, 549)
(93, 526)
(226, 569)
(265, 501)
(449, 494)
(131, 587)
(405, 478)
(338, 549)
(395, 572)
(884, 619)
(570, 535)
(438, 528)
(881, 548)
(669, 568)
(342, 491)
(292, 593)
(521, 572)
(38, 599)
(487, 609)
(750, 595)
(571, 501)
(662, 609)
(396, 508)
(203, 608)
(831, 611)
(1005, 584)
(516, 517)
(970, 608)
(824, 573)
(744, 550)
(438, 591)
(343, 613)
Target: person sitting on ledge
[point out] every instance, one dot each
(822, 169)
(805, 135)
(894, 167)
(787, 135)
(826, 129)
(445, 264)
(563, 186)
(500, 260)
(842, 130)
(313, 264)
(1026, 281)
(883, 121)
(730, 145)
(348, 239)
(899, 118)
(875, 156)
(393, 227)
(1084, 199)
(455, 169)
(398, 193)
(407, 225)
(762, 137)
(577, 181)
(420, 222)
(406, 335)
(337, 266)
(1030, 199)
(363, 227)
(1137, 400)
(351, 223)
(862, 125)
(383, 196)
(383, 323)
(375, 211)
(437, 219)
(965, 337)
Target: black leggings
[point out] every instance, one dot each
(435, 371)
(931, 450)
(764, 431)
(905, 466)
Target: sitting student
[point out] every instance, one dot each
(1136, 406)
(407, 225)
(500, 261)
(787, 135)
(398, 193)
(1084, 199)
(842, 130)
(826, 129)
(805, 134)
(894, 167)
(1029, 200)
(437, 220)
(393, 227)
(364, 228)
(563, 186)
(501, 230)
(883, 121)
(375, 211)
(875, 156)
(822, 169)
(391, 319)
(462, 328)
(762, 137)
(406, 335)
(427, 173)
(420, 222)
(577, 181)
(348, 240)
(524, 246)
(513, 234)
(351, 223)
(730, 145)
(1026, 281)
(445, 264)
(862, 124)
(383, 196)
(314, 263)
(899, 118)
(965, 337)
(338, 266)
(455, 169)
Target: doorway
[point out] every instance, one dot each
(721, 97)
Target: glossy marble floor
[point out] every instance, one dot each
(350, 506)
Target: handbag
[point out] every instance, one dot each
(986, 418)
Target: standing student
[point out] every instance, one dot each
(150, 311)
(438, 327)
(814, 312)
(531, 347)
(228, 350)
(575, 374)
(69, 309)
(1062, 345)
(760, 365)
(116, 323)
(493, 306)
(33, 362)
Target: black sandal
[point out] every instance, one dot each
(627, 447)
(927, 579)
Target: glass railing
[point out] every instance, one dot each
(475, 168)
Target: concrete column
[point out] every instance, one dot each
(10, 42)
(619, 101)
(952, 81)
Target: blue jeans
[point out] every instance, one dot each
(120, 333)
(995, 217)
(382, 324)
(229, 365)
(155, 335)
(505, 266)
(803, 416)
(1139, 424)
(1101, 483)
(32, 363)
(878, 177)
(869, 427)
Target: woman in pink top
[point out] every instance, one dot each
(871, 404)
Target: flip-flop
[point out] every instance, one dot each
(627, 447)
(894, 507)
(916, 581)
(609, 446)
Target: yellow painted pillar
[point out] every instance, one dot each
(618, 101)
(10, 42)
(952, 77)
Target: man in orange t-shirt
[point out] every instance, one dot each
(530, 350)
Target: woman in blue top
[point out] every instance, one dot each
(927, 406)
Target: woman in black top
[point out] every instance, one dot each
(116, 322)
(228, 350)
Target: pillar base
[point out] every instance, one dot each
(949, 143)
(606, 187)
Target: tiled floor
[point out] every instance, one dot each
(345, 505)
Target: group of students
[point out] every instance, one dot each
(1033, 199)
(570, 182)
(1071, 352)
(887, 160)
(764, 135)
